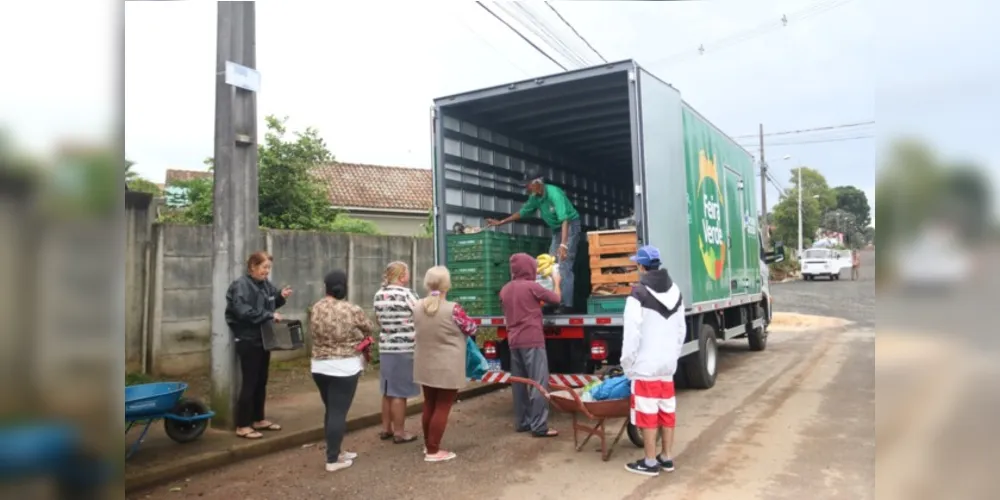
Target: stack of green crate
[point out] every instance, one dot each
(479, 267)
(485, 246)
(540, 245)
(611, 304)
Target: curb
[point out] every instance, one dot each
(188, 466)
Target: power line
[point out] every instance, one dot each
(567, 23)
(537, 27)
(819, 141)
(760, 30)
(508, 25)
(488, 44)
(804, 130)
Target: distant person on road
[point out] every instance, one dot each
(339, 331)
(394, 304)
(555, 209)
(439, 357)
(521, 301)
(251, 301)
(855, 265)
(653, 337)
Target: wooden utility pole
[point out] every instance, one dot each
(235, 225)
(765, 226)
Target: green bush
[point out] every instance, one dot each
(138, 378)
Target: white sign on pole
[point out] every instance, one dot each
(243, 77)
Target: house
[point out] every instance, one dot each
(395, 199)
(174, 195)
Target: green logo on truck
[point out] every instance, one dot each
(708, 206)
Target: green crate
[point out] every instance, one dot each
(541, 245)
(477, 302)
(612, 304)
(486, 246)
(485, 275)
(524, 244)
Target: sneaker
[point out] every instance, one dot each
(348, 455)
(666, 464)
(640, 467)
(441, 456)
(343, 464)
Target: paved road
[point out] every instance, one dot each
(792, 422)
(853, 300)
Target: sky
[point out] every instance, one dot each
(365, 74)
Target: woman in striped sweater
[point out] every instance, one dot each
(394, 304)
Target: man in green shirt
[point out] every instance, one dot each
(559, 214)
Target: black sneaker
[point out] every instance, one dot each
(665, 464)
(640, 467)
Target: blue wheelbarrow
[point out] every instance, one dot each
(184, 419)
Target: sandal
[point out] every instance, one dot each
(385, 436)
(249, 435)
(547, 434)
(401, 440)
(267, 426)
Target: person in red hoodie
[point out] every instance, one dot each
(521, 300)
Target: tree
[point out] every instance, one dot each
(817, 199)
(814, 186)
(916, 187)
(840, 221)
(135, 182)
(854, 201)
(429, 225)
(290, 196)
(786, 220)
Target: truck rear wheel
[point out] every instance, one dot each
(757, 338)
(702, 367)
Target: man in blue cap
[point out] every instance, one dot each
(654, 330)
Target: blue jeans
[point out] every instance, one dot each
(566, 266)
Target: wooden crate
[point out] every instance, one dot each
(610, 252)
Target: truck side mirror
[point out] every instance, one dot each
(777, 255)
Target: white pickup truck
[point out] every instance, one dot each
(825, 262)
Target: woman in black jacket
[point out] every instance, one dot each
(252, 301)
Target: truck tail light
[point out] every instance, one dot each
(490, 349)
(599, 350)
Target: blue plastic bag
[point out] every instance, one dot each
(475, 363)
(612, 388)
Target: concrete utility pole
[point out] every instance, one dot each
(800, 211)
(235, 225)
(763, 192)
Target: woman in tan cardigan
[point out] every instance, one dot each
(439, 357)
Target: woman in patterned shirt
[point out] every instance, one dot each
(338, 329)
(394, 304)
(439, 357)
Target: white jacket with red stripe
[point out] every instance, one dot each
(654, 328)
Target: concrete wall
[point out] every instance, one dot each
(180, 286)
(140, 211)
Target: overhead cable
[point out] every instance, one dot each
(575, 32)
(518, 33)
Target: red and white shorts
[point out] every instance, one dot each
(653, 403)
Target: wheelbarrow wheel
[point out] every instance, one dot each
(185, 432)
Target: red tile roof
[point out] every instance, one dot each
(358, 185)
(373, 186)
(184, 175)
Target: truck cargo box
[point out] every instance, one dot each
(620, 142)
